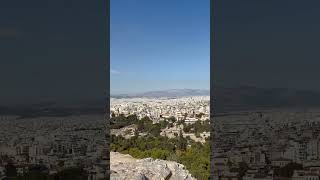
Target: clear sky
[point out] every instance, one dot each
(159, 45)
(268, 44)
(52, 51)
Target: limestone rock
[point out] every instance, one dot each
(126, 167)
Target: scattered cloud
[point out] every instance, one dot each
(113, 71)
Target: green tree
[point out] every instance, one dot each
(287, 171)
(243, 167)
(61, 163)
(11, 170)
(72, 173)
(172, 119)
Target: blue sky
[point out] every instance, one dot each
(159, 44)
(52, 51)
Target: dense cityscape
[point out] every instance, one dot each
(187, 110)
(53, 147)
(273, 144)
(173, 129)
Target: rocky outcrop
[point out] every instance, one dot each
(124, 167)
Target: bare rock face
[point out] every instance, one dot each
(126, 167)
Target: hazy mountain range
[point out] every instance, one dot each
(167, 93)
(249, 97)
(225, 99)
(51, 108)
(243, 97)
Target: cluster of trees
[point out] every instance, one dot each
(197, 160)
(172, 119)
(243, 168)
(145, 124)
(198, 127)
(199, 115)
(117, 122)
(195, 157)
(287, 170)
(146, 144)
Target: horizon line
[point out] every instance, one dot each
(146, 91)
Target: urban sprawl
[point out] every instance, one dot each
(171, 129)
(260, 145)
(187, 110)
(52, 145)
(267, 145)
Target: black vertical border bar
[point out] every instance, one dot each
(107, 95)
(212, 97)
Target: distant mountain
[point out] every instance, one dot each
(167, 93)
(50, 108)
(249, 97)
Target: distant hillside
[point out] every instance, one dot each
(55, 109)
(248, 97)
(167, 93)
